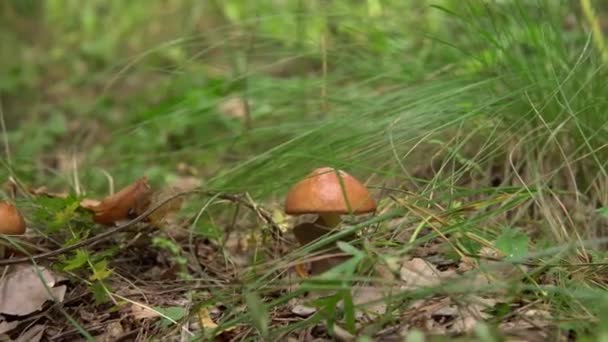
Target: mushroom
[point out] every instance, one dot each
(11, 221)
(329, 193)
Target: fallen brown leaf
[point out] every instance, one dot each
(33, 334)
(371, 299)
(303, 310)
(129, 201)
(112, 332)
(466, 313)
(141, 312)
(7, 326)
(205, 319)
(22, 291)
(446, 316)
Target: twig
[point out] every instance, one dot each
(97, 238)
(259, 211)
(263, 214)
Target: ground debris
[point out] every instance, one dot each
(126, 203)
(418, 273)
(33, 334)
(23, 292)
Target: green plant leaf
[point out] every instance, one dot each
(257, 313)
(77, 261)
(349, 310)
(350, 249)
(100, 271)
(173, 312)
(99, 292)
(513, 243)
(603, 211)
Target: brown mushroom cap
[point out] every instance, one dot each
(11, 221)
(322, 191)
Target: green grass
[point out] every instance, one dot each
(489, 117)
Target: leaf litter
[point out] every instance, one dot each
(26, 288)
(221, 260)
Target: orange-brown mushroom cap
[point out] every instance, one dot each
(11, 221)
(331, 191)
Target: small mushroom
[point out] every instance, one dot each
(11, 221)
(329, 193)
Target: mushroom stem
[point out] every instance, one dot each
(329, 220)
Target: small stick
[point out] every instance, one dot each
(103, 236)
(97, 238)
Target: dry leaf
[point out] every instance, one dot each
(233, 107)
(44, 191)
(186, 183)
(7, 326)
(370, 299)
(342, 335)
(33, 334)
(280, 219)
(22, 292)
(445, 316)
(303, 310)
(499, 270)
(112, 332)
(466, 313)
(172, 206)
(417, 273)
(140, 312)
(131, 200)
(205, 319)
(89, 203)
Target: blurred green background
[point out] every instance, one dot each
(250, 95)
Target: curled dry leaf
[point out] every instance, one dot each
(205, 320)
(22, 291)
(131, 200)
